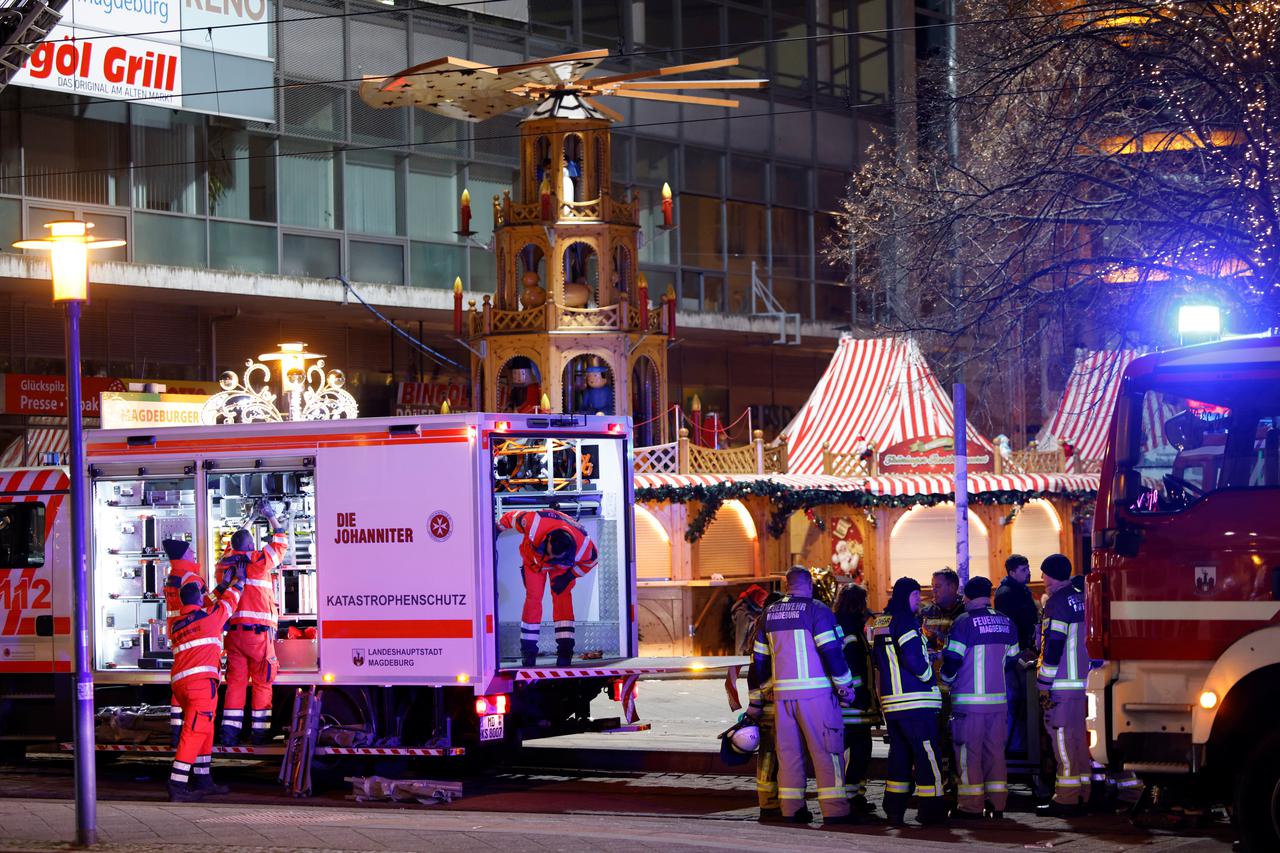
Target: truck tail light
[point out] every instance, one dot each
(1208, 700)
(615, 690)
(471, 433)
(496, 704)
(502, 426)
(615, 429)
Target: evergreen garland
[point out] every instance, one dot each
(787, 500)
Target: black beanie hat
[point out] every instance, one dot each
(977, 588)
(175, 548)
(1056, 566)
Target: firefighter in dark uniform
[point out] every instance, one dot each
(936, 619)
(863, 712)
(910, 699)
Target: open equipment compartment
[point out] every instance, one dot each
(582, 477)
(232, 488)
(134, 510)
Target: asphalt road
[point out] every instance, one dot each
(511, 808)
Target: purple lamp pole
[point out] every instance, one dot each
(68, 245)
(961, 430)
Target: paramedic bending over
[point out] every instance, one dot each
(557, 546)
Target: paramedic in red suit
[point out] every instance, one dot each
(197, 657)
(251, 633)
(557, 546)
(182, 571)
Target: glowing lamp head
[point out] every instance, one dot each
(666, 190)
(1208, 700)
(463, 678)
(466, 197)
(68, 245)
(1199, 323)
(329, 677)
(457, 285)
(444, 407)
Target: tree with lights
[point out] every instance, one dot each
(1112, 158)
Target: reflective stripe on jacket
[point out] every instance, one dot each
(902, 665)
(798, 650)
(258, 603)
(197, 635)
(537, 525)
(983, 642)
(1064, 661)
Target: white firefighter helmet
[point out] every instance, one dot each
(740, 742)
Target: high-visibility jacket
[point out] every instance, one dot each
(864, 710)
(906, 679)
(1064, 661)
(181, 572)
(983, 642)
(935, 628)
(197, 636)
(258, 604)
(798, 650)
(537, 525)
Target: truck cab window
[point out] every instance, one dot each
(21, 535)
(1189, 448)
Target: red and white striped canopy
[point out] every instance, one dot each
(39, 440)
(886, 484)
(880, 391)
(1084, 413)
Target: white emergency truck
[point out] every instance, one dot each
(399, 599)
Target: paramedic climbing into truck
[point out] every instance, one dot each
(251, 632)
(554, 546)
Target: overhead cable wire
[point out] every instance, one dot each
(414, 342)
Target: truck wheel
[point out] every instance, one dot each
(1257, 801)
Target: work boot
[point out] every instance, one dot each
(1053, 808)
(803, 816)
(849, 819)
(564, 652)
(770, 816)
(962, 814)
(180, 793)
(528, 653)
(932, 813)
(861, 805)
(261, 737)
(897, 819)
(229, 736)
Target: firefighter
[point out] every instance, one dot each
(554, 545)
(760, 709)
(910, 700)
(1064, 666)
(197, 656)
(936, 619)
(1014, 599)
(982, 646)
(251, 633)
(182, 570)
(863, 712)
(798, 650)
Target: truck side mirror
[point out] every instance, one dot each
(1128, 541)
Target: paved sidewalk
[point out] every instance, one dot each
(43, 825)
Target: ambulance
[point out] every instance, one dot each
(400, 596)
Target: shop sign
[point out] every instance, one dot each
(424, 398)
(29, 394)
(929, 455)
(132, 409)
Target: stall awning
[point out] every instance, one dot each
(39, 440)
(1084, 413)
(879, 391)
(886, 485)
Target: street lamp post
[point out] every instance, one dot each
(68, 245)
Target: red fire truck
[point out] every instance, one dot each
(1184, 596)
(400, 597)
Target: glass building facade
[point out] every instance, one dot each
(336, 188)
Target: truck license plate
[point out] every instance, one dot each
(491, 727)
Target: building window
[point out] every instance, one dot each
(168, 158)
(246, 248)
(315, 257)
(172, 240)
(435, 265)
(790, 185)
(432, 200)
(485, 182)
(701, 234)
(242, 175)
(373, 193)
(310, 179)
(702, 171)
(21, 535)
(381, 263)
(75, 151)
(790, 241)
